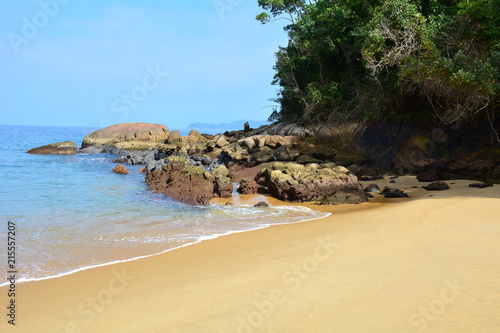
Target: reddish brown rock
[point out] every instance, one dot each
(246, 173)
(60, 148)
(185, 183)
(142, 170)
(120, 169)
(248, 186)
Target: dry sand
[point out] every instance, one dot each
(425, 264)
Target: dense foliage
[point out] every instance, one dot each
(386, 59)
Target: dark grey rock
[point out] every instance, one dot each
(91, 150)
(392, 192)
(481, 185)
(372, 188)
(437, 186)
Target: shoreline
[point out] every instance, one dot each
(201, 239)
(214, 285)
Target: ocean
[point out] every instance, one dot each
(72, 213)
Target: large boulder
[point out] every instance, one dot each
(174, 136)
(128, 136)
(60, 148)
(183, 182)
(298, 183)
(437, 186)
(188, 183)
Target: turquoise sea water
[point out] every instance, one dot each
(71, 212)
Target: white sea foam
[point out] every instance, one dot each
(198, 240)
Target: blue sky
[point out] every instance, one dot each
(102, 62)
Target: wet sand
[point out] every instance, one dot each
(428, 263)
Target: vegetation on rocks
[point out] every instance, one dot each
(409, 60)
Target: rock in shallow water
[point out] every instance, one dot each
(185, 183)
(189, 184)
(60, 148)
(120, 169)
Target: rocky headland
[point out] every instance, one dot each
(296, 163)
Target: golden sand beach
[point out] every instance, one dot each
(425, 264)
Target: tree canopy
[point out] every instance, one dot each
(417, 60)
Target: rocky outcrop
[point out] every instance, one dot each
(365, 149)
(177, 177)
(291, 162)
(190, 184)
(298, 183)
(130, 136)
(459, 150)
(60, 148)
(184, 183)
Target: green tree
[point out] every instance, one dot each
(392, 59)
